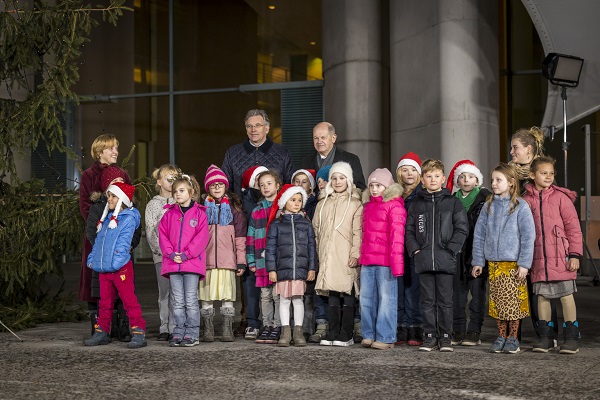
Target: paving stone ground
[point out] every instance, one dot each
(52, 363)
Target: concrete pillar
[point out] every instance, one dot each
(352, 71)
(444, 81)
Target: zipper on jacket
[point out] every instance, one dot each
(543, 238)
(102, 253)
(180, 234)
(293, 249)
(433, 233)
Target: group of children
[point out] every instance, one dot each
(411, 251)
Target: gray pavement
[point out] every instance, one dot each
(52, 363)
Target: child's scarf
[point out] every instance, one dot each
(222, 218)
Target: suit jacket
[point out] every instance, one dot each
(310, 162)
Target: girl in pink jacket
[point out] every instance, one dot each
(183, 236)
(225, 254)
(558, 249)
(382, 259)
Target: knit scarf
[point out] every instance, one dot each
(222, 218)
(467, 202)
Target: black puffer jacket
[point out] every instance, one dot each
(243, 156)
(291, 248)
(437, 226)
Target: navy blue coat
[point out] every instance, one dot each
(291, 247)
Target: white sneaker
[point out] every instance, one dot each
(324, 342)
(251, 333)
(343, 344)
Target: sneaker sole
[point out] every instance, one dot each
(428, 349)
(540, 350)
(190, 344)
(471, 343)
(512, 351)
(568, 351)
(446, 349)
(343, 344)
(326, 343)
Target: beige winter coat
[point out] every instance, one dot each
(338, 232)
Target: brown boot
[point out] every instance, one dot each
(299, 340)
(286, 336)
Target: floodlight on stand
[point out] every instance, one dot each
(564, 71)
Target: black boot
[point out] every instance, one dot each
(546, 342)
(93, 320)
(345, 337)
(124, 332)
(571, 334)
(334, 326)
(114, 326)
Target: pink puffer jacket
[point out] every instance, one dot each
(185, 233)
(384, 219)
(560, 237)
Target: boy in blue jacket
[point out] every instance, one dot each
(436, 228)
(110, 257)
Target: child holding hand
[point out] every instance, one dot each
(290, 258)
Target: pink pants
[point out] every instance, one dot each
(122, 281)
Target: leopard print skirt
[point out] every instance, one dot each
(508, 295)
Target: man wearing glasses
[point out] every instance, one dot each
(257, 150)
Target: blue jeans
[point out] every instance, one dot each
(184, 299)
(378, 303)
(409, 296)
(252, 297)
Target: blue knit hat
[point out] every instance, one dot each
(323, 173)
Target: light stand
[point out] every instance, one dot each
(564, 71)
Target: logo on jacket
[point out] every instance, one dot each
(193, 223)
(123, 277)
(421, 223)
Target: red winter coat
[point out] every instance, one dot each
(560, 238)
(185, 233)
(384, 218)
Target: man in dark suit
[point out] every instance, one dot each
(327, 153)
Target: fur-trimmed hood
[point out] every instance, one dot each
(96, 196)
(391, 192)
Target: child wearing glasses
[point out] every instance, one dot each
(225, 253)
(164, 178)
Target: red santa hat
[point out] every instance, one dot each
(215, 174)
(411, 159)
(249, 176)
(286, 193)
(461, 167)
(125, 194)
(310, 173)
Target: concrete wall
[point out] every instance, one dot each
(444, 80)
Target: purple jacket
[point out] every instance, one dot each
(557, 233)
(384, 218)
(185, 233)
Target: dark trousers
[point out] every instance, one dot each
(463, 285)
(252, 297)
(436, 302)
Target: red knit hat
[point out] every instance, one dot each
(411, 159)
(249, 176)
(214, 174)
(125, 194)
(459, 168)
(111, 173)
(286, 193)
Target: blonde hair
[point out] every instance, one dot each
(162, 171)
(432, 164)
(510, 173)
(407, 189)
(190, 182)
(102, 143)
(533, 137)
